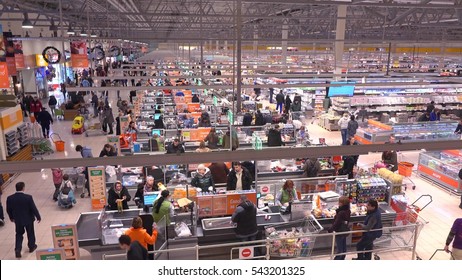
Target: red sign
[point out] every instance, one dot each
(18, 55)
(4, 81)
(246, 253)
(11, 65)
(443, 178)
(79, 55)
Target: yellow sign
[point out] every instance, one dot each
(40, 61)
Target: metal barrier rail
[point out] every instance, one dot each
(266, 243)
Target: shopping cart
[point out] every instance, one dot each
(77, 178)
(95, 127)
(442, 250)
(40, 146)
(405, 169)
(293, 240)
(400, 236)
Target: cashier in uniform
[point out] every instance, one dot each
(245, 217)
(163, 208)
(287, 194)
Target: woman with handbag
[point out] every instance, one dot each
(341, 224)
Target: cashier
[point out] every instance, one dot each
(143, 189)
(163, 208)
(245, 217)
(287, 194)
(118, 194)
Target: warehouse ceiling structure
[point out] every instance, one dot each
(263, 20)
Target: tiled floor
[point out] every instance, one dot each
(440, 214)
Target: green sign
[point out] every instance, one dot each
(96, 173)
(257, 144)
(50, 257)
(215, 101)
(230, 116)
(113, 139)
(65, 232)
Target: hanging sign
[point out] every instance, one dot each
(114, 51)
(51, 55)
(97, 176)
(65, 237)
(114, 141)
(11, 65)
(40, 61)
(98, 53)
(79, 55)
(18, 55)
(4, 81)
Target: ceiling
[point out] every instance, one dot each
(262, 20)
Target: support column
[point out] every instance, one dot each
(255, 42)
(225, 47)
(217, 46)
(340, 38)
(63, 52)
(239, 58)
(443, 56)
(285, 36)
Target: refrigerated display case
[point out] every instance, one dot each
(442, 168)
(374, 133)
(425, 131)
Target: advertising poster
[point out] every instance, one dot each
(114, 141)
(9, 48)
(124, 122)
(65, 238)
(18, 55)
(2, 46)
(79, 55)
(11, 66)
(4, 81)
(97, 187)
(50, 254)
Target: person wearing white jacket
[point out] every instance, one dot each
(343, 123)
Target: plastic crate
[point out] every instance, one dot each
(405, 168)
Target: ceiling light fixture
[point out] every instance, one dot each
(26, 23)
(83, 32)
(70, 31)
(93, 34)
(53, 27)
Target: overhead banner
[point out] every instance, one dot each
(18, 55)
(4, 81)
(11, 65)
(79, 54)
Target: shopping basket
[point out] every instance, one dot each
(405, 169)
(58, 143)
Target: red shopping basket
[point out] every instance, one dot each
(405, 168)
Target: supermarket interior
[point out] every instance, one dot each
(234, 129)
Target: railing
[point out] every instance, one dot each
(413, 229)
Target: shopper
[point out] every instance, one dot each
(245, 218)
(2, 215)
(45, 120)
(118, 194)
(311, 168)
(239, 178)
(460, 177)
(120, 114)
(108, 151)
(287, 194)
(348, 166)
(132, 130)
(274, 137)
(66, 198)
(175, 147)
(134, 249)
(22, 211)
(163, 208)
(343, 124)
(425, 117)
(296, 106)
(138, 233)
(259, 118)
(202, 148)
(279, 101)
(455, 234)
(435, 115)
(352, 126)
(341, 224)
(271, 93)
(430, 107)
(35, 106)
(353, 142)
(203, 179)
(94, 102)
(302, 136)
(85, 152)
(204, 120)
(459, 127)
(108, 119)
(247, 119)
(57, 181)
(157, 143)
(373, 227)
(195, 99)
(212, 139)
(287, 104)
(390, 158)
(52, 102)
(228, 142)
(147, 187)
(219, 172)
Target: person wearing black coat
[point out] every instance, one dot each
(239, 178)
(274, 137)
(45, 120)
(245, 217)
(288, 103)
(247, 120)
(52, 104)
(279, 101)
(341, 224)
(348, 165)
(108, 151)
(175, 147)
(259, 118)
(116, 194)
(195, 99)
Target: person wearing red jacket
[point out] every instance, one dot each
(35, 106)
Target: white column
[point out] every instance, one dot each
(285, 36)
(217, 45)
(255, 42)
(340, 38)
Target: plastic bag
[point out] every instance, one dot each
(182, 230)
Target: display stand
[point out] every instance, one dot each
(50, 254)
(97, 176)
(65, 238)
